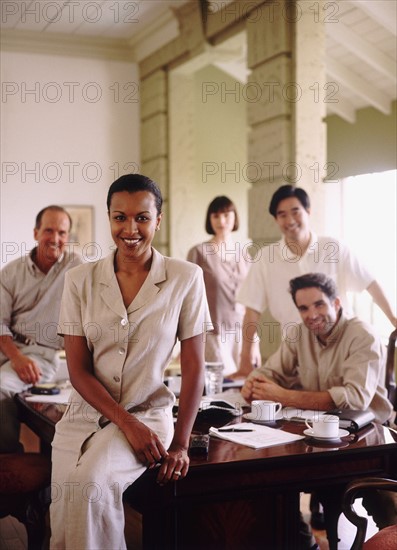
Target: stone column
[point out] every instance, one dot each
(154, 95)
(309, 111)
(154, 143)
(182, 148)
(286, 141)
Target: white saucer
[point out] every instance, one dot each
(252, 418)
(342, 433)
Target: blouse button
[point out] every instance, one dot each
(116, 378)
(121, 351)
(123, 322)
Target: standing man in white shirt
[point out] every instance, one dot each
(299, 251)
(30, 295)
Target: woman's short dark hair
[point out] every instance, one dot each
(133, 183)
(53, 208)
(316, 280)
(285, 192)
(220, 204)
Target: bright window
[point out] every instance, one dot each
(369, 228)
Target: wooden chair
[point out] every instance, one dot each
(331, 500)
(385, 539)
(390, 369)
(23, 480)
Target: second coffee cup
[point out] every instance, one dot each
(264, 411)
(325, 426)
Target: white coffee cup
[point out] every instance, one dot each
(325, 426)
(264, 411)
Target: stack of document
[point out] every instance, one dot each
(350, 419)
(232, 397)
(229, 383)
(254, 435)
(353, 420)
(61, 398)
(300, 415)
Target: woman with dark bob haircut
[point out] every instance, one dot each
(220, 204)
(121, 317)
(225, 266)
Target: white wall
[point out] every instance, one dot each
(66, 142)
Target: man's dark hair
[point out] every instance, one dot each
(54, 208)
(133, 183)
(220, 204)
(316, 280)
(286, 192)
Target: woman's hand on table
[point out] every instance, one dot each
(175, 465)
(145, 443)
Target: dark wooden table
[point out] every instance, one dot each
(238, 498)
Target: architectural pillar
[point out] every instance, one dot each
(286, 142)
(154, 96)
(154, 142)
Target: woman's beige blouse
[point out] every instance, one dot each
(132, 347)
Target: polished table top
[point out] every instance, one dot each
(44, 416)
(207, 508)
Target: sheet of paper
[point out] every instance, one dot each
(61, 398)
(259, 437)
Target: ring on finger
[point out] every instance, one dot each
(177, 473)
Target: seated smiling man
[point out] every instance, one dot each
(328, 362)
(30, 297)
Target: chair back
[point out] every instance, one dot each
(390, 369)
(351, 493)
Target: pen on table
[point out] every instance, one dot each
(233, 430)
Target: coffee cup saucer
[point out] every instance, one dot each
(342, 433)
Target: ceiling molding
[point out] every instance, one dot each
(198, 62)
(229, 14)
(151, 37)
(383, 11)
(189, 43)
(67, 45)
(359, 86)
(171, 33)
(218, 56)
(363, 49)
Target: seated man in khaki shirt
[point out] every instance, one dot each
(30, 295)
(326, 362)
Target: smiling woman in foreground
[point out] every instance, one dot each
(121, 317)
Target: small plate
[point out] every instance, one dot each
(252, 418)
(342, 433)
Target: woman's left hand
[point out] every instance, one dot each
(174, 466)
